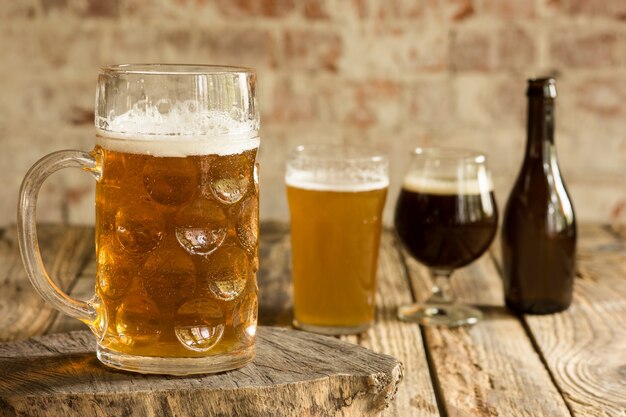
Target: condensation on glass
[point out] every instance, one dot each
(176, 219)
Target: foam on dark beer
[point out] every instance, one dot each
(419, 184)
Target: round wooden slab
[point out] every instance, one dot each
(294, 374)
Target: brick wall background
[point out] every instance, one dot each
(394, 73)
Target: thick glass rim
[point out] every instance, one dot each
(175, 69)
(337, 152)
(450, 154)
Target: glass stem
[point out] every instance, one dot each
(441, 293)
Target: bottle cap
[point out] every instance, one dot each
(541, 87)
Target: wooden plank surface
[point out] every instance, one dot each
(294, 374)
(415, 395)
(401, 340)
(64, 252)
(490, 369)
(585, 346)
(568, 363)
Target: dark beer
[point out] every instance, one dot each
(442, 228)
(539, 227)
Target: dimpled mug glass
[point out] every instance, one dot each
(176, 219)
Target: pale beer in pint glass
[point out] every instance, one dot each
(336, 197)
(176, 219)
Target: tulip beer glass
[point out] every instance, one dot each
(336, 197)
(176, 219)
(446, 217)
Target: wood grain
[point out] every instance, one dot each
(416, 395)
(585, 346)
(401, 340)
(294, 374)
(494, 368)
(64, 251)
(274, 276)
(490, 369)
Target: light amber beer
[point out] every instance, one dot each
(335, 239)
(177, 200)
(176, 248)
(336, 197)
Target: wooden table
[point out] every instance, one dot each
(573, 363)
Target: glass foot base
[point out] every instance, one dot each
(332, 330)
(449, 315)
(175, 366)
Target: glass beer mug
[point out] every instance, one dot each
(176, 219)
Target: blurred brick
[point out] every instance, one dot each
(316, 9)
(28, 9)
(84, 8)
(515, 48)
(52, 5)
(391, 73)
(312, 50)
(236, 46)
(99, 8)
(344, 11)
(399, 50)
(396, 9)
(489, 100)
(573, 47)
(292, 101)
(598, 198)
(362, 104)
(178, 38)
(266, 8)
(171, 10)
(414, 9)
(126, 45)
(430, 101)
(612, 8)
(71, 49)
(506, 9)
(470, 49)
(361, 7)
(603, 96)
(461, 9)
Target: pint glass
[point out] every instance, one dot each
(336, 197)
(176, 219)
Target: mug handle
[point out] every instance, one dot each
(27, 233)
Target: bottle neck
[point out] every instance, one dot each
(540, 129)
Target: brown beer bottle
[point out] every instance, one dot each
(539, 227)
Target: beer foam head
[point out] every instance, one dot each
(177, 129)
(317, 184)
(337, 168)
(424, 185)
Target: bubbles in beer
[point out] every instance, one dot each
(170, 181)
(227, 273)
(201, 227)
(248, 223)
(138, 228)
(199, 324)
(137, 319)
(230, 178)
(245, 316)
(169, 275)
(115, 273)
